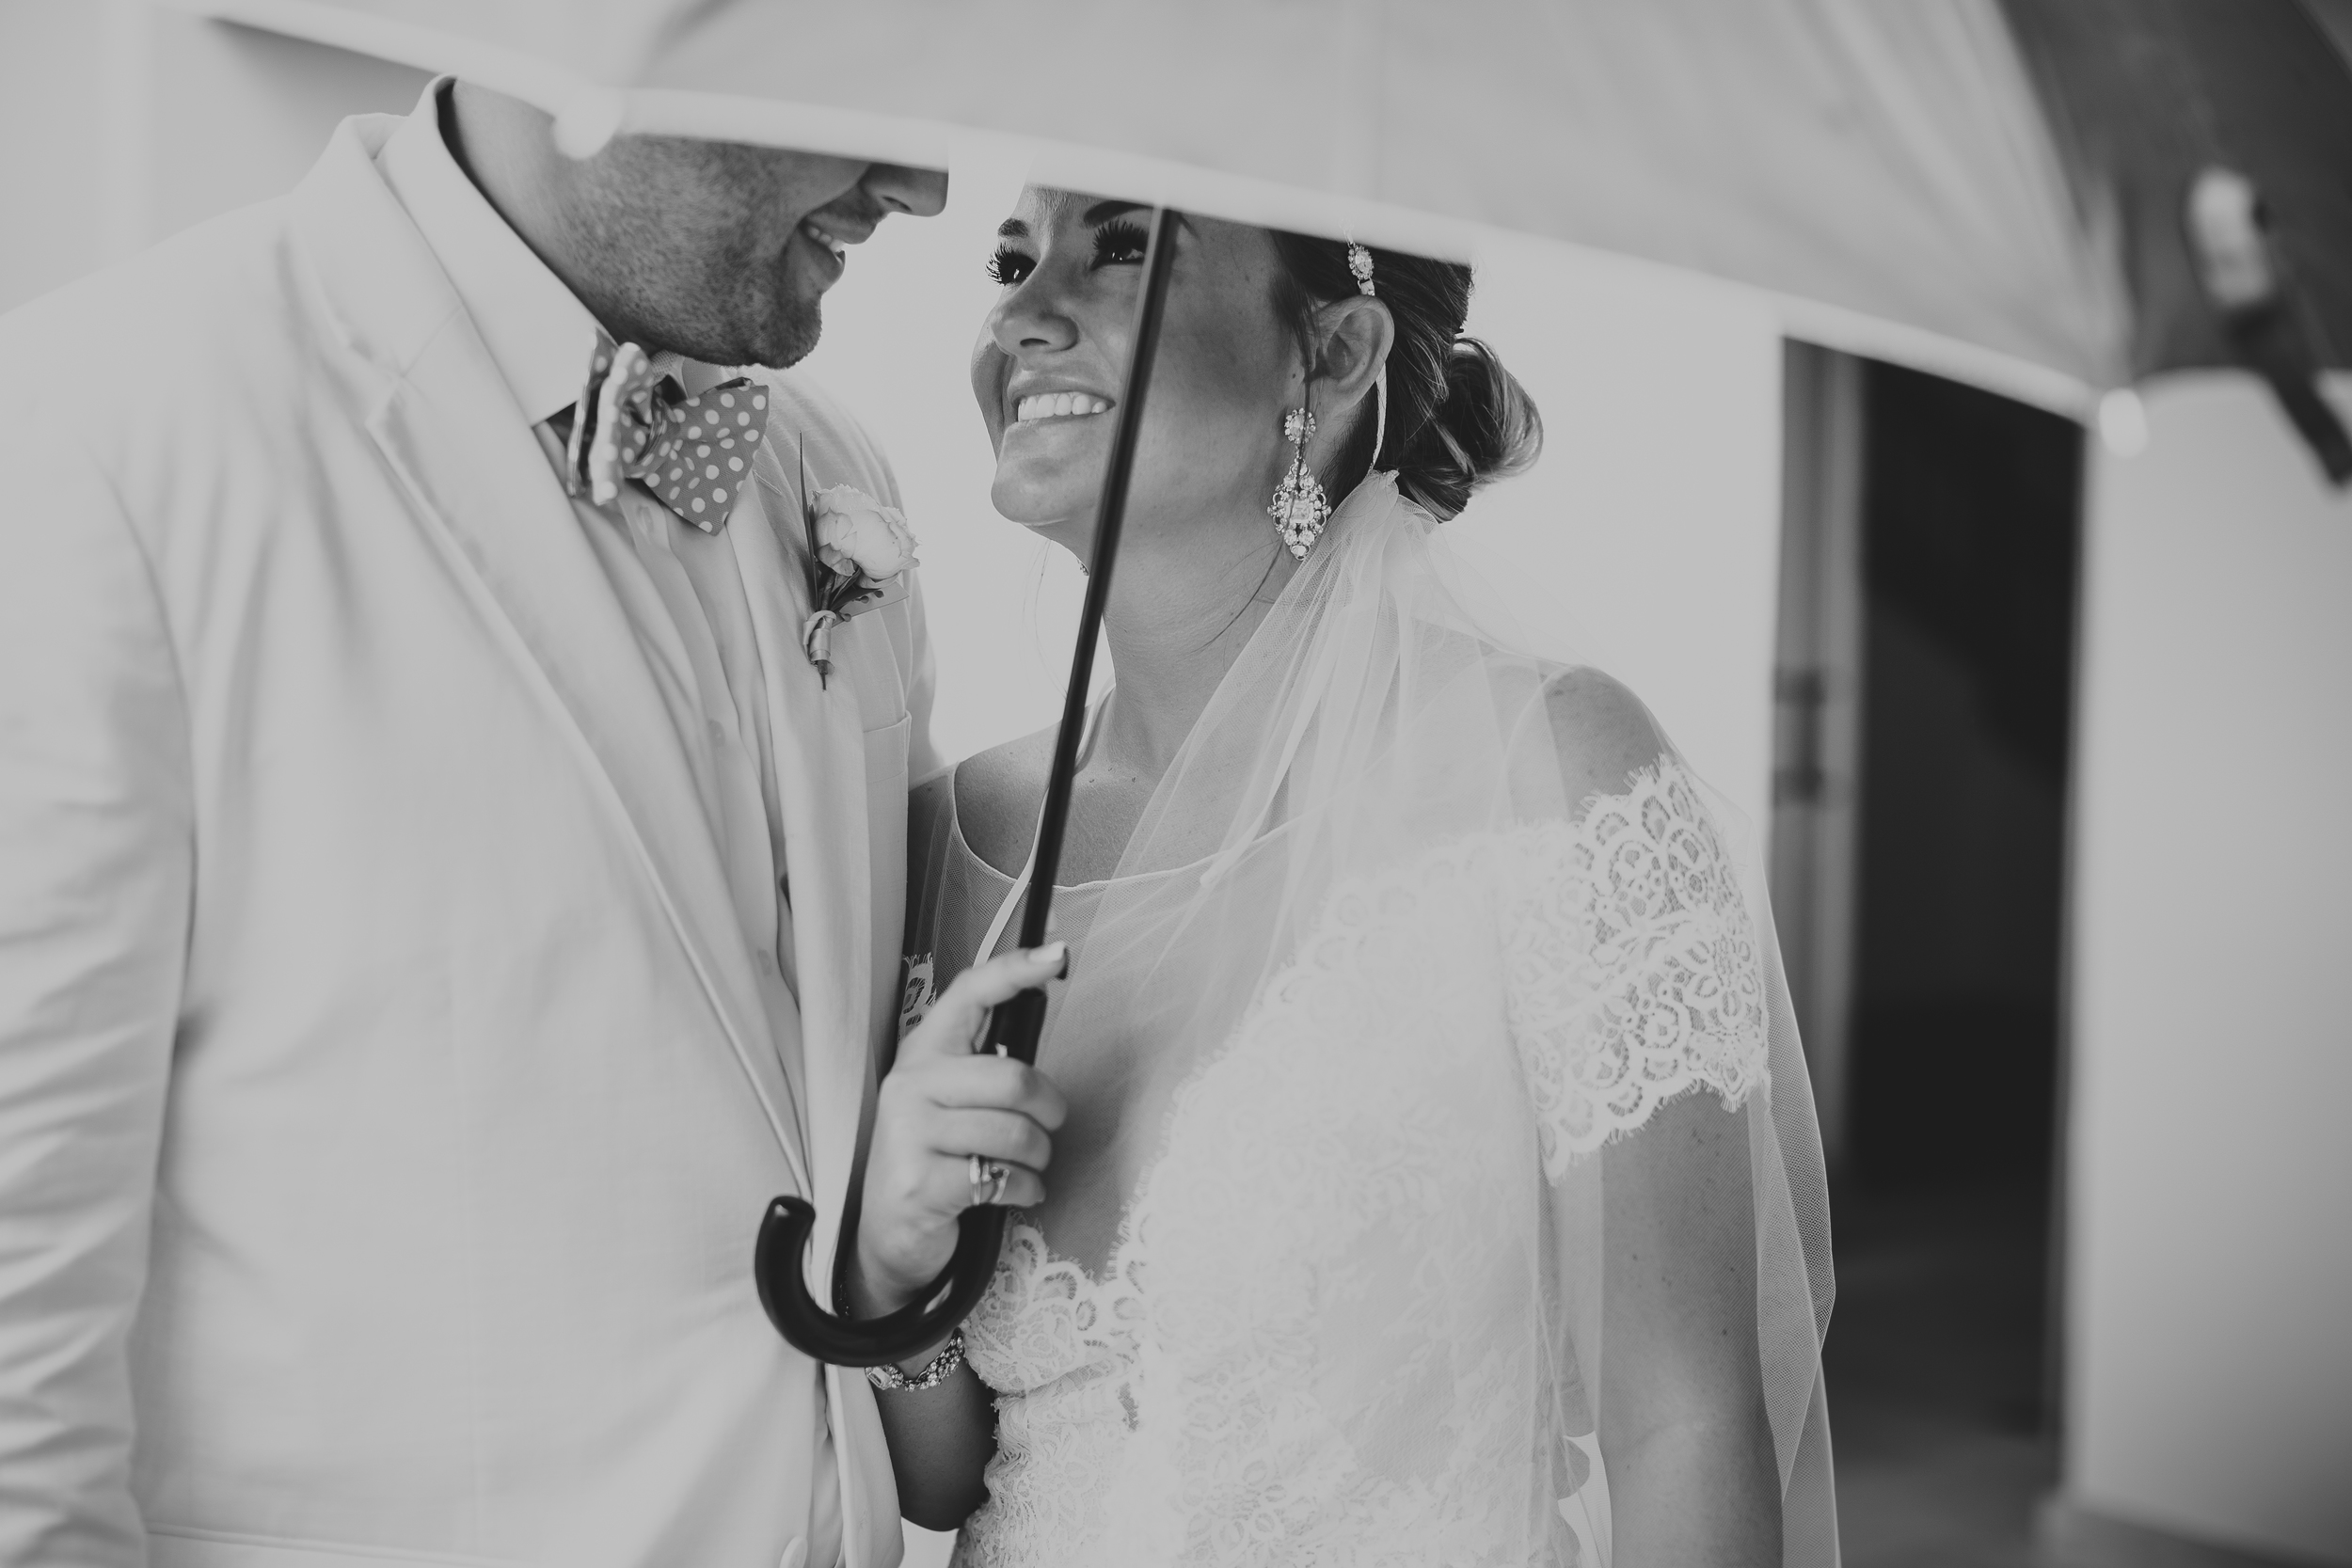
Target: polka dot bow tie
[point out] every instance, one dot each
(694, 453)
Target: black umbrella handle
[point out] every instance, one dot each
(1014, 1027)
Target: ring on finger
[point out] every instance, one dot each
(988, 1178)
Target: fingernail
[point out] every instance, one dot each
(1057, 950)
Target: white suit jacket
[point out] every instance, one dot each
(386, 1106)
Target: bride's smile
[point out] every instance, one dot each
(1035, 406)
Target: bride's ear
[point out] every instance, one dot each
(1352, 341)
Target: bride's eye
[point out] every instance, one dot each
(1009, 267)
(1119, 244)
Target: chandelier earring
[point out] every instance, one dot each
(1359, 266)
(1299, 506)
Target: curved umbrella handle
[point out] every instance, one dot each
(784, 1229)
(1013, 1028)
(784, 1233)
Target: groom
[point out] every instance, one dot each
(438, 910)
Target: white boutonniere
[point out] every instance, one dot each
(856, 545)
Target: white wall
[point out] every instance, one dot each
(120, 123)
(52, 218)
(2209, 1286)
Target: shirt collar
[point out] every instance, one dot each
(539, 335)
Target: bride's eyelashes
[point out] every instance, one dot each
(1119, 243)
(1116, 243)
(1009, 267)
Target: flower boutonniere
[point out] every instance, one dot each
(856, 546)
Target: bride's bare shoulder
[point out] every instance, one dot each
(1603, 733)
(998, 793)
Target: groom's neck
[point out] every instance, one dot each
(507, 148)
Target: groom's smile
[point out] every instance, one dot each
(827, 236)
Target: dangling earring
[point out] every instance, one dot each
(1300, 505)
(1360, 264)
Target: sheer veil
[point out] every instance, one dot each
(1412, 943)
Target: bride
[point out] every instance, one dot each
(1432, 1173)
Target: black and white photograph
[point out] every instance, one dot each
(1192, 783)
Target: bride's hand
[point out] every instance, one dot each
(941, 1106)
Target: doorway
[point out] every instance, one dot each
(1931, 540)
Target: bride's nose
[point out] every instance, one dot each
(1029, 320)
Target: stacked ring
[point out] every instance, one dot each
(988, 1178)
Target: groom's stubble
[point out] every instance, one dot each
(672, 242)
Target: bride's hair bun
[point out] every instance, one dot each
(1457, 419)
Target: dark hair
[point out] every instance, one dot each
(1456, 418)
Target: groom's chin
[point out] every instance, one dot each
(789, 337)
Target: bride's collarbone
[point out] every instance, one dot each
(997, 795)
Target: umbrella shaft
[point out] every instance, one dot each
(1110, 513)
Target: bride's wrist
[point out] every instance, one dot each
(869, 1299)
(926, 1370)
(875, 1290)
(927, 1358)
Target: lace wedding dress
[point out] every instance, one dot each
(1417, 987)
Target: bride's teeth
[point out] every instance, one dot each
(1057, 406)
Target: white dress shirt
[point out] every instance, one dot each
(684, 592)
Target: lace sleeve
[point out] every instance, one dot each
(1632, 971)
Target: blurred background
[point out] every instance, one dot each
(2043, 720)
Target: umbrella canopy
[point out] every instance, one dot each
(1991, 189)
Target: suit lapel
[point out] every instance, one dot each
(449, 429)
(820, 780)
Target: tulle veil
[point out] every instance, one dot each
(1379, 859)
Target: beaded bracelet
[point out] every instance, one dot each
(890, 1380)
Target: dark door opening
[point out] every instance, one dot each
(1970, 532)
(1941, 826)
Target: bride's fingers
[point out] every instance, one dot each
(993, 1084)
(955, 1019)
(1024, 1189)
(950, 1186)
(992, 1135)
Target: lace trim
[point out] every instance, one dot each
(1634, 975)
(1059, 1349)
(1046, 1317)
